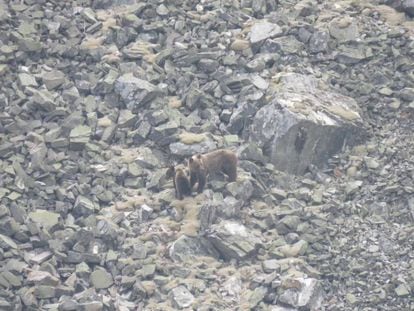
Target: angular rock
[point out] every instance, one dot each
(181, 297)
(302, 293)
(79, 137)
(6, 242)
(45, 291)
(45, 218)
(319, 42)
(188, 248)
(83, 206)
(135, 92)
(305, 125)
(53, 79)
(26, 79)
(294, 250)
(126, 118)
(257, 296)
(233, 240)
(263, 30)
(42, 278)
(30, 45)
(44, 100)
(353, 55)
(344, 29)
(101, 279)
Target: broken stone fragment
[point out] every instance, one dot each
(135, 92)
(6, 243)
(44, 100)
(181, 297)
(53, 79)
(233, 240)
(26, 79)
(45, 218)
(29, 45)
(42, 278)
(344, 29)
(83, 206)
(126, 118)
(101, 279)
(262, 30)
(79, 137)
(302, 293)
(189, 248)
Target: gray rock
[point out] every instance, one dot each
(6, 243)
(126, 118)
(305, 125)
(45, 291)
(294, 250)
(101, 279)
(302, 293)
(30, 45)
(91, 306)
(256, 296)
(353, 55)
(344, 29)
(241, 190)
(181, 297)
(260, 83)
(45, 218)
(280, 308)
(79, 137)
(53, 79)
(402, 290)
(271, 265)
(319, 42)
(83, 206)
(44, 100)
(285, 45)
(182, 149)
(26, 79)
(189, 248)
(263, 30)
(230, 208)
(353, 186)
(233, 240)
(6, 149)
(146, 158)
(42, 278)
(40, 258)
(207, 215)
(135, 92)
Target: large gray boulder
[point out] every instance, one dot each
(302, 293)
(233, 240)
(305, 124)
(135, 92)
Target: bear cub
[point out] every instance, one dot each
(181, 181)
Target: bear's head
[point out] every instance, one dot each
(195, 163)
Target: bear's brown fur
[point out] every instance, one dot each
(203, 165)
(180, 180)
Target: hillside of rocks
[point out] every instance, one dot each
(99, 98)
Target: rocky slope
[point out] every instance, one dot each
(99, 97)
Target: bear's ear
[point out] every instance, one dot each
(198, 156)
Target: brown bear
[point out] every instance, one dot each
(203, 165)
(180, 180)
